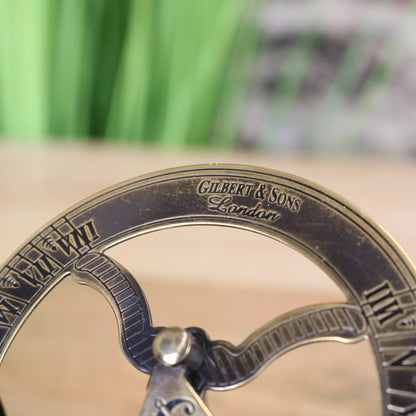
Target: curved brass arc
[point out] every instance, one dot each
(225, 366)
(129, 304)
(230, 366)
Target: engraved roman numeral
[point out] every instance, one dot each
(403, 411)
(382, 302)
(7, 309)
(405, 358)
(404, 403)
(39, 271)
(78, 238)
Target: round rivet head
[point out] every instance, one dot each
(172, 346)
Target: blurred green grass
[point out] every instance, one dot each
(276, 75)
(161, 71)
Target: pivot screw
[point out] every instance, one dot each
(174, 345)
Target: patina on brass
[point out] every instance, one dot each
(371, 269)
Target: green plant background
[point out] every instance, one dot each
(277, 75)
(160, 71)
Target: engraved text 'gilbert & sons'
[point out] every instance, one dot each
(221, 198)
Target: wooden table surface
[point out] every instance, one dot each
(67, 361)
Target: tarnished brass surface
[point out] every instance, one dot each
(363, 260)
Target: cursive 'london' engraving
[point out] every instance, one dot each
(225, 205)
(274, 196)
(262, 201)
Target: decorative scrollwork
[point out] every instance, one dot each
(178, 406)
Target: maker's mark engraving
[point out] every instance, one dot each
(225, 205)
(210, 186)
(248, 200)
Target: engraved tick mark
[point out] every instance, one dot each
(9, 282)
(407, 323)
(49, 243)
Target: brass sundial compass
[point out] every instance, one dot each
(376, 276)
